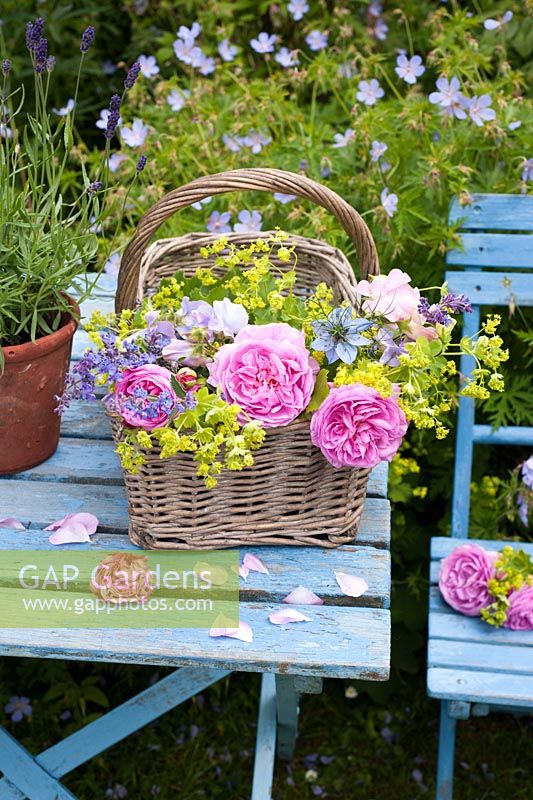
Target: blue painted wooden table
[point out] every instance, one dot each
(347, 637)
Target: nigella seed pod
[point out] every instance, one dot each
(133, 74)
(87, 38)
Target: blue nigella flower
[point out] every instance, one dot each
(339, 335)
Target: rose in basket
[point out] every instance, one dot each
(210, 361)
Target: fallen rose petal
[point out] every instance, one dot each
(243, 571)
(11, 522)
(303, 597)
(351, 585)
(243, 632)
(70, 533)
(254, 564)
(287, 615)
(89, 521)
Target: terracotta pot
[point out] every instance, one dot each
(34, 373)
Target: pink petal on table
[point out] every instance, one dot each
(351, 585)
(303, 597)
(69, 533)
(254, 564)
(11, 522)
(287, 615)
(243, 632)
(89, 521)
(243, 571)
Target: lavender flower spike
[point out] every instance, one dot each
(113, 116)
(87, 38)
(94, 187)
(6, 66)
(50, 63)
(141, 163)
(133, 74)
(41, 55)
(34, 32)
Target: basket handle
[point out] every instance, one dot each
(257, 179)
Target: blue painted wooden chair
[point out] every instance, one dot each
(347, 637)
(472, 668)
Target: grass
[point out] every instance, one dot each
(347, 748)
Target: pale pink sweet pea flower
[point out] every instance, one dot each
(390, 296)
(230, 317)
(267, 371)
(463, 578)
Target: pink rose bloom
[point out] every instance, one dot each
(267, 371)
(154, 380)
(463, 578)
(520, 611)
(390, 296)
(356, 427)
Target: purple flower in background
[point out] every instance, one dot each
(141, 163)
(527, 170)
(103, 122)
(339, 335)
(284, 198)
(435, 314)
(480, 111)
(18, 707)
(233, 143)
(449, 97)
(184, 49)
(115, 160)
(87, 38)
(527, 472)
(514, 125)
(369, 92)
(346, 71)
(64, 110)
(287, 58)
(377, 150)
(204, 64)
(5, 132)
(389, 201)
(136, 135)
(457, 303)
(6, 66)
(316, 40)
(226, 50)
(203, 202)
(344, 139)
(256, 140)
(117, 792)
(264, 43)
(133, 74)
(40, 54)
(523, 509)
(148, 66)
(297, 9)
(219, 223)
(190, 33)
(112, 265)
(177, 98)
(380, 30)
(50, 63)
(409, 69)
(391, 349)
(113, 116)
(249, 222)
(375, 9)
(94, 187)
(109, 67)
(494, 24)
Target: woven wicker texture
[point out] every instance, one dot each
(291, 495)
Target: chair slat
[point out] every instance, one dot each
(507, 250)
(445, 623)
(481, 657)
(513, 435)
(494, 688)
(493, 288)
(505, 212)
(441, 546)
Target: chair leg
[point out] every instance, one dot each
(265, 748)
(446, 753)
(288, 709)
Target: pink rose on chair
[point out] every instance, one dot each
(144, 396)
(520, 611)
(463, 578)
(390, 296)
(267, 371)
(356, 427)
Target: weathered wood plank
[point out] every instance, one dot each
(451, 654)
(42, 502)
(265, 748)
(504, 212)
(338, 643)
(85, 420)
(493, 289)
(513, 435)
(494, 688)
(442, 546)
(445, 623)
(24, 777)
(507, 250)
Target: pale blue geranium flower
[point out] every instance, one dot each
(297, 9)
(494, 24)
(514, 125)
(369, 92)
(377, 150)
(449, 97)
(264, 43)
(316, 40)
(18, 707)
(256, 140)
(409, 69)
(226, 50)
(339, 335)
(284, 198)
(108, 67)
(190, 33)
(112, 265)
(177, 98)
(287, 58)
(64, 110)
(389, 201)
(204, 64)
(249, 222)
(184, 48)
(527, 170)
(135, 135)
(115, 160)
(233, 143)
(380, 30)
(344, 139)
(346, 71)
(527, 472)
(104, 116)
(479, 109)
(148, 66)
(203, 202)
(219, 223)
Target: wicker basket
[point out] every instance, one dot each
(291, 495)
